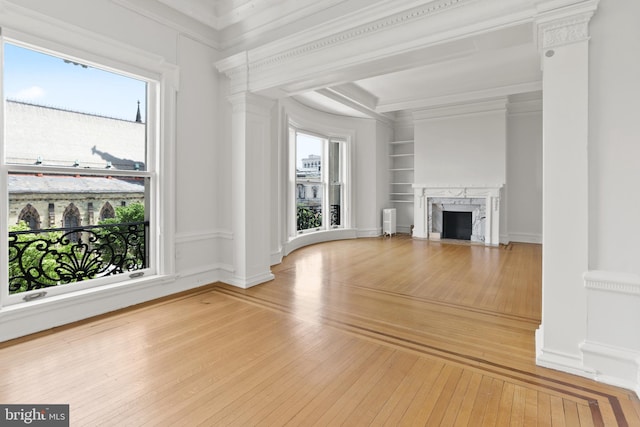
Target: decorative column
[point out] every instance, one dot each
(563, 41)
(250, 177)
(420, 213)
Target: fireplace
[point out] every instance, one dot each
(477, 207)
(473, 208)
(456, 225)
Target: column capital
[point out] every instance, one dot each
(559, 26)
(250, 103)
(236, 67)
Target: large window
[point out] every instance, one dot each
(319, 180)
(77, 136)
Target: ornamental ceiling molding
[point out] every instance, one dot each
(402, 18)
(323, 56)
(564, 31)
(259, 61)
(565, 26)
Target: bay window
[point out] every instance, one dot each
(320, 187)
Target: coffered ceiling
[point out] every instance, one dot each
(491, 64)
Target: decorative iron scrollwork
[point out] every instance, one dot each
(335, 215)
(44, 258)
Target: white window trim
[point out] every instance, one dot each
(296, 239)
(18, 23)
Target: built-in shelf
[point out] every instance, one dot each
(401, 180)
(401, 172)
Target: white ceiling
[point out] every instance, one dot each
(498, 64)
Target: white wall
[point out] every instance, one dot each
(614, 137)
(611, 348)
(105, 18)
(455, 148)
(524, 171)
(196, 154)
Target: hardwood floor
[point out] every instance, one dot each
(387, 331)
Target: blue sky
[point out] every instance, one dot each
(37, 78)
(307, 145)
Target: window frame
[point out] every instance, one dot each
(65, 41)
(328, 138)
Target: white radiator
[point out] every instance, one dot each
(389, 222)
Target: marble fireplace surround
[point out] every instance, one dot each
(482, 201)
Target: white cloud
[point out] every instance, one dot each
(30, 94)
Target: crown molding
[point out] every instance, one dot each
(237, 30)
(342, 30)
(165, 15)
(422, 102)
(498, 105)
(344, 49)
(353, 103)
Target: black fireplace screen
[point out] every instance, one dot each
(456, 225)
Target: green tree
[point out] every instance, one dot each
(123, 242)
(42, 259)
(306, 218)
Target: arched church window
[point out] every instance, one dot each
(30, 215)
(107, 211)
(71, 219)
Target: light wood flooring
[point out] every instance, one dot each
(387, 331)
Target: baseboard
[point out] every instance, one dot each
(368, 232)
(276, 257)
(564, 362)
(612, 347)
(321, 236)
(524, 237)
(404, 229)
(616, 366)
(249, 281)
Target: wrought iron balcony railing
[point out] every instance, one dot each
(43, 258)
(311, 216)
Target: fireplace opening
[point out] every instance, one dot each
(456, 225)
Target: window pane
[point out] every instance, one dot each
(309, 186)
(64, 229)
(335, 184)
(63, 113)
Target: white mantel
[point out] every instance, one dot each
(425, 194)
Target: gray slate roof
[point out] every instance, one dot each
(61, 137)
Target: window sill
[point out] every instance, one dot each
(29, 317)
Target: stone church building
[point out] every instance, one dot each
(46, 201)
